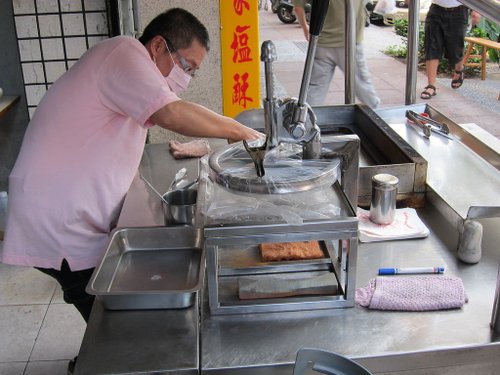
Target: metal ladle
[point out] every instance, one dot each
(181, 173)
(152, 188)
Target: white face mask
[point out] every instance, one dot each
(178, 80)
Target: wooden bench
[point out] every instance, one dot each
(485, 44)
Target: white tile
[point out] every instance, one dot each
(97, 23)
(24, 285)
(33, 73)
(50, 25)
(93, 40)
(12, 368)
(94, 5)
(47, 367)
(71, 63)
(26, 26)
(31, 111)
(58, 296)
(75, 47)
(73, 24)
(53, 49)
(61, 334)
(34, 94)
(23, 6)
(29, 50)
(47, 6)
(71, 6)
(54, 70)
(19, 327)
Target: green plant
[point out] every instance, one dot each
(489, 30)
(401, 29)
(396, 51)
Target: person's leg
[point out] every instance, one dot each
(321, 76)
(73, 284)
(431, 67)
(434, 47)
(363, 85)
(454, 34)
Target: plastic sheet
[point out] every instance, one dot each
(285, 170)
(235, 194)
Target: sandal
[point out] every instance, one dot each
(456, 83)
(426, 94)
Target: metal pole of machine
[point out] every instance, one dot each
(412, 55)
(318, 12)
(350, 52)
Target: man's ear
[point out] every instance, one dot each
(156, 46)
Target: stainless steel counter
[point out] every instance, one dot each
(144, 341)
(177, 342)
(454, 341)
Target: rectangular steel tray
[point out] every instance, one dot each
(150, 268)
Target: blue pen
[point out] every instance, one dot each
(409, 270)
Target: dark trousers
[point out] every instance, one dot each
(73, 284)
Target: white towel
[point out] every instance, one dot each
(406, 224)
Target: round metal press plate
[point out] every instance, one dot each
(285, 172)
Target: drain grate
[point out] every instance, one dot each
(302, 46)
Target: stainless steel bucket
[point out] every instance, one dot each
(180, 207)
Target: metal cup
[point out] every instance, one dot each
(180, 208)
(383, 203)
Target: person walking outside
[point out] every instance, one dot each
(82, 149)
(445, 28)
(330, 53)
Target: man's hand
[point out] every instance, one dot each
(247, 134)
(475, 17)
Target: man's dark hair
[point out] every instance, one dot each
(178, 27)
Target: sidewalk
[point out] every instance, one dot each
(475, 102)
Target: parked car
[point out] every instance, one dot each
(400, 12)
(376, 18)
(284, 10)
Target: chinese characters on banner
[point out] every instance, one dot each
(240, 55)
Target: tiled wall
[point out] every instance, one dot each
(52, 35)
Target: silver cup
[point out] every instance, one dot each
(180, 208)
(383, 204)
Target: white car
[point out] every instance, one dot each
(400, 12)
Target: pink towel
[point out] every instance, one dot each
(412, 293)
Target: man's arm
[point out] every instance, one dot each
(301, 17)
(194, 120)
(475, 18)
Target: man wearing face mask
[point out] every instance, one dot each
(83, 146)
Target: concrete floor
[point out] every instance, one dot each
(39, 333)
(475, 102)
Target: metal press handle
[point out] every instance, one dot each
(318, 14)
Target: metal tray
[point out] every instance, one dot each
(150, 268)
